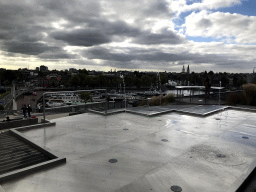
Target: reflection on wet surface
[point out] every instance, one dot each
(172, 149)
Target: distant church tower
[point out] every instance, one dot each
(183, 69)
(188, 71)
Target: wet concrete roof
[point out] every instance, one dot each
(213, 153)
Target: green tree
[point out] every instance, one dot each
(129, 80)
(241, 81)
(145, 80)
(195, 79)
(83, 71)
(224, 81)
(9, 75)
(211, 73)
(86, 96)
(102, 80)
(164, 78)
(75, 80)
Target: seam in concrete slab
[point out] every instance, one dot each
(106, 114)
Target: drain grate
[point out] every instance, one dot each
(112, 160)
(221, 155)
(245, 137)
(176, 188)
(16, 154)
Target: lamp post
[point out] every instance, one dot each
(122, 77)
(219, 93)
(160, 87)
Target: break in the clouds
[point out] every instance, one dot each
(222, 25)
(129, 34)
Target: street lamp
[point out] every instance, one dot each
(122, 77)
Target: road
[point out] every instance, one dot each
(8, 98)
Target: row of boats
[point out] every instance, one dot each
(62, 99)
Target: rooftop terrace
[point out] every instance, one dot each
(195, 148)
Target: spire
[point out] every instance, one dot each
(183, 69)
(188, 71)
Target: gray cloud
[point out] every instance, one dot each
(27, 48)
(152, 55)
(166, 37)
(85, 38)
(127, 34)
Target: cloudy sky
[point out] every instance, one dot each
(152, 35)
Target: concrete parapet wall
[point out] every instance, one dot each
(18, 123)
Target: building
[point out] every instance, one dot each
(72, 69)
(134, 152)
(43, 68)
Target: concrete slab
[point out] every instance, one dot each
(197, 154)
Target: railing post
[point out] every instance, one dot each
(106, 101)
(44, 106)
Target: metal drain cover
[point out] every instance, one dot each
(112, 160)
(164, 140)
(125, 129)
(176, 188)
(221, 155)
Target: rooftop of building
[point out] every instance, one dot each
(198, 148)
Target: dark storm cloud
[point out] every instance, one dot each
(140, 55)
(56, 54)
(82, 37)
(154, 58)
(167, 37)
(96, 32)
(23, 26)
(27, 48)
(105, 54)
(96, 29)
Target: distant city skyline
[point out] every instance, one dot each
(153, 35)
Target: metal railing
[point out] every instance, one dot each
(92, 90)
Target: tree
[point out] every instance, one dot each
(211, 73)
(224, 80)
(83, 71)
(9, 76)
(145, 80)
(86, 96)
(75, 80)
(241, 81)
(164, 78)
